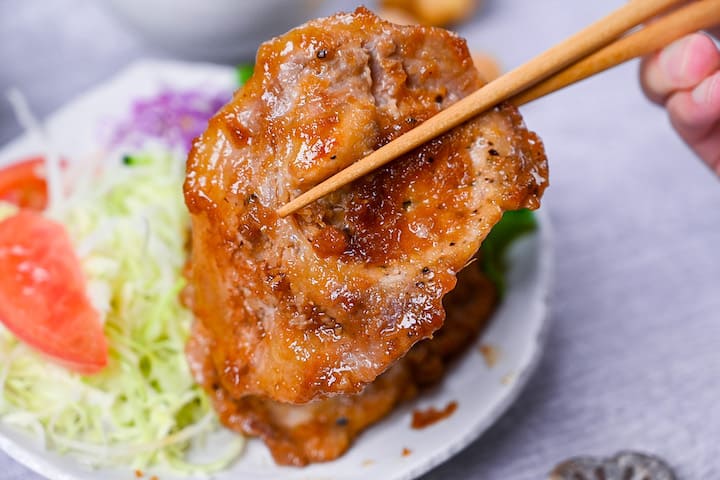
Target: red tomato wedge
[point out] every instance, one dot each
(23, 184)
(42, 293)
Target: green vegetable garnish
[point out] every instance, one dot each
(512, 226)
(243, 72)
(135, 160)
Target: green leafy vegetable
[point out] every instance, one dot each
(135, 160)
(513, 225)
(243, 72)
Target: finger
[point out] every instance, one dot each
(680, 66)
(695, 114)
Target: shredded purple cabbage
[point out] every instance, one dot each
(175, 118)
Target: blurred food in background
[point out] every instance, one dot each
(440, 13)
(487, 65)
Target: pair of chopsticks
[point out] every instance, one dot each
(592, 50)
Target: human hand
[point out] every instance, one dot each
(685, 78)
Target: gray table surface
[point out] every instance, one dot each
(633, 356)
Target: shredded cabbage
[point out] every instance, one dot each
(6, 210)
(130, 226)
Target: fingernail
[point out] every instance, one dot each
(704, 92)
(674, 58)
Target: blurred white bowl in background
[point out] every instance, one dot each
(217, 30)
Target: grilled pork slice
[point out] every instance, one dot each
(323, 302)
(323, 430)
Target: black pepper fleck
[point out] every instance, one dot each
(406, 204)
(425, 270)
(439, 98)
(452, 244)
(411, 120)
(333, 157)
(322, 53)
(493, 152)
(341, 421)
(420, 284)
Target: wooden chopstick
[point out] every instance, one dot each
(581, 44)
(699, 15)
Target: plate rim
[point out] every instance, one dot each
(546, 275)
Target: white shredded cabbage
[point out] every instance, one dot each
(130, 226)
(6, 210)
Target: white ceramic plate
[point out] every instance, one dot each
(517, 330)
